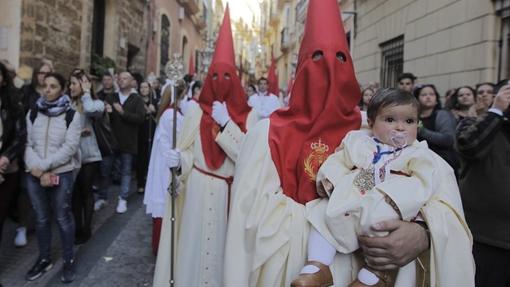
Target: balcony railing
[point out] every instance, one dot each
(191, 6)
(301, 10)
(199, 21)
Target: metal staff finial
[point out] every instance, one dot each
(174, 69)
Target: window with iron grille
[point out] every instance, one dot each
(392, 61)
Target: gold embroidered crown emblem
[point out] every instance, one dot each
(319, 147)
(315, 159)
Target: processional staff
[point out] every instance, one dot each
(174, 71)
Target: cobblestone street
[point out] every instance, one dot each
(118, 254)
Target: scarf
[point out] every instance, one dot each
(54, 108)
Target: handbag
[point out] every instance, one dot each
(106, 141)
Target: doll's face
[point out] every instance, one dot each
(393, 122)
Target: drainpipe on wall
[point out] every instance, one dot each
(500, 44)
(150, 34)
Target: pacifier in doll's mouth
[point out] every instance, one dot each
(398, 138)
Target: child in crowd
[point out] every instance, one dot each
(375, 175)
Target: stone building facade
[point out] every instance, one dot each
(69, 32)
(178, 27)
(445, 42)
(281, 29)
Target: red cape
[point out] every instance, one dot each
(323, 104)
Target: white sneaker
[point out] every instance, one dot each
(99, 204)
(122, 206)
(21, 237)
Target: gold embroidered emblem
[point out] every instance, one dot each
(365, 180)
(315, 159)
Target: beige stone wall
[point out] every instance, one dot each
(10, 30)
(86, 33)
(446, 42)
(51, 29)
(179, 28)
(131, 20)
(60, 30)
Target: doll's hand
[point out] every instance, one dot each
(324, 188)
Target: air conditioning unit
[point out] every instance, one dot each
(181, 13)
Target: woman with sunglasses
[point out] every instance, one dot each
(33, 91)
(84, 101)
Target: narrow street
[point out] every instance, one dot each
(118, 254)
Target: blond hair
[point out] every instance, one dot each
(166, 98)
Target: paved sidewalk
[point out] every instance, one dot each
(118, 254)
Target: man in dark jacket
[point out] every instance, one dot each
(127, 112)
(13, 136)
(484, 146)
(108, 86)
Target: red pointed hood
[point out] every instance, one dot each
(272, 78)
(322, 107)
(324, 30)
(221, 84)
(224, 50)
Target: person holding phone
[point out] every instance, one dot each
(85, 102)
(483, 143)
(53, 139)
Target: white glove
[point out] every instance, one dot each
(173, 157)
(220, 113)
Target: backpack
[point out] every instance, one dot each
(69, 115)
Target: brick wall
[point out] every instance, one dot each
(60, 30)
(132, 17)
(51, 29)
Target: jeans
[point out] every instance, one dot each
(56, 200)
(83, 199)
(7, 191)
(126, 161)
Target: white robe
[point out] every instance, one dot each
(265, 105)
(268, 232)
(158, 176)
(350, 212)
(203, 221)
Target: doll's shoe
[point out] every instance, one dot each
(385, 280)
(321, 278)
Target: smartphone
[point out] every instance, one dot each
(55, 179)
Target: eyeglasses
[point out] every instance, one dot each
(43, 73)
